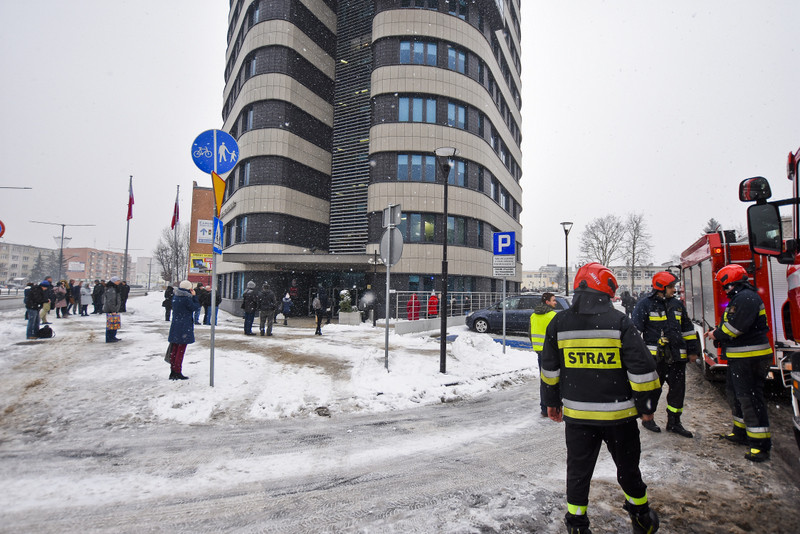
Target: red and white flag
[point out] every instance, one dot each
(175, 217)
(130, 200)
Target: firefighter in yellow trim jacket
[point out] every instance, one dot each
(542, 314)
(599, 377)
(743, 335)
(672, 340)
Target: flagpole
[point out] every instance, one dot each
(128, 231)
(177, 275)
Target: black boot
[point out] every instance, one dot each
(577, 524)
(674, 425)
(179, 376)
(651, 425)
(643, 519)
(172, 375)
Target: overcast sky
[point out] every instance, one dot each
(628, 106)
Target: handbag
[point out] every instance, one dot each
(168, 355)
(112, 321)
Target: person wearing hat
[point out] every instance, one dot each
(36, 299)
(181, 330)
(111, 306)
(250, 306)
(47, 287)
(267, 305)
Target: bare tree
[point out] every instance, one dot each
(712, 226)
(172, 253)
(602, 240)
(636, 243)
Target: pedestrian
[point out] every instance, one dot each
(412, 308)
(599, 377)
(218, 301)
(34, 302)
(628, 302)
(743, 337)
(204, 297)
(60, 297)
(75, 297)
(433, 305)
(111, 305)
(286, 303)
(124, 290)
(181, 330)
(543, 313)
(167, 303)
(250, 306)
(319, 312)
(85, 299)
(97, 296)
(200, 292)
(267, 306)
(25, 295)
(670, 336)
(47, 287)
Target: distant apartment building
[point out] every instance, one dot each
(16, 261)
(551, 277)
(93, 264)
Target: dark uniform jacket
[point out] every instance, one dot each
(744, 327)
(663, 319)
(596, 365)
(250, 301)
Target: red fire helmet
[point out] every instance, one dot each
(596, 277)
(730, 274)
(663, 279)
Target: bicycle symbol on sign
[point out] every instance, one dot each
(203, 151)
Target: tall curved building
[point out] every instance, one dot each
(338, 107)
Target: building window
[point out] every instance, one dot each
(480, 234)
(416, 168)
(456, 115)
(456, 231)
(427, 4)
(503, 199)
(493, 189)
(246, 173)
(416, 109)
(457, 173)
(458, 8)
(456, 60)
(417, 227)
(418, 53)
(480, 179)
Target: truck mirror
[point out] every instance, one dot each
(756, 188)
(764, 229)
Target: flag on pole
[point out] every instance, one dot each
(130, 199)
(175, 212)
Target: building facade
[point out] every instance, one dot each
(338, 107)
(92, 264)
(17, 262)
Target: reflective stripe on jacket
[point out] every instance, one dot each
(744, 326)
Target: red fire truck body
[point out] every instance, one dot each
(706, 301)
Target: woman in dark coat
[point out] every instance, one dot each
(181, 330)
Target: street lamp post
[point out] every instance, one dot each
(567, 225)
(443, 156)
(61, 247)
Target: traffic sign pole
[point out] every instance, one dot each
(223, 148)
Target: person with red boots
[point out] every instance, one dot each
(181, 329)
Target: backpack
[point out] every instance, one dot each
(316, 304)
(45, 332)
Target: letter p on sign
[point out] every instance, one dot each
(504, 243)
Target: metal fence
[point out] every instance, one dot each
(460, 303)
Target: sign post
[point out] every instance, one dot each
(504, 264)
(391, 250)
(215, 152)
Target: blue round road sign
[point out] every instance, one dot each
(215, 151)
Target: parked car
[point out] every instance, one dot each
(518, 314)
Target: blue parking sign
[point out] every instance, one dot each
(504, 243)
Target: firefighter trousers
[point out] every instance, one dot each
(583, 446)
(674, 375)
(745, 391)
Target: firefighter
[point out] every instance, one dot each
(599, 377)
(664, 323)
(542, 314)
(743, 336)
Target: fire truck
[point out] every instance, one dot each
(706, 300)
(766, 232)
